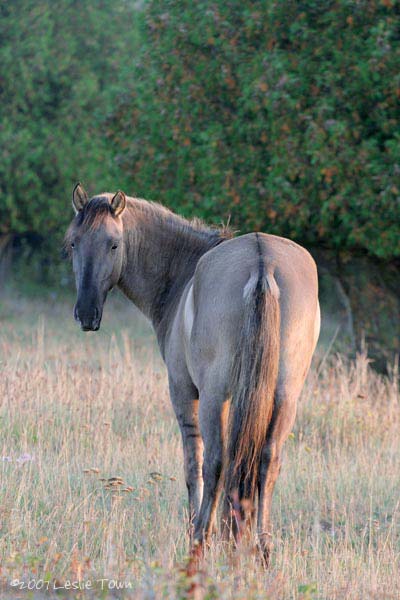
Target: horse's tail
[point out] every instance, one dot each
(254, 380)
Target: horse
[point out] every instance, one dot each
(237, 320)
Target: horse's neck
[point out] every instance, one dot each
(161, 254)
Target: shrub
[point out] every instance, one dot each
(284, 115)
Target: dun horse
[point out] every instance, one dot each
(237, 321)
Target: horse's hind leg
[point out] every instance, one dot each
(185, 404)
(281, 424)
(212, 427)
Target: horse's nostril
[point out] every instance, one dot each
(96, 313)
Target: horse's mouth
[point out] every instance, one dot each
(91, 323)
(90, 328)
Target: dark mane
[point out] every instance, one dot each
(93, 212)
(189, 231)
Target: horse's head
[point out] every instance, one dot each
(95, 241)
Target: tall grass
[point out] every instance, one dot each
(92, 479)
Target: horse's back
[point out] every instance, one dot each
(216, 302)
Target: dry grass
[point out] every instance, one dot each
(79, 409)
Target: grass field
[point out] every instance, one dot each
(79, 409)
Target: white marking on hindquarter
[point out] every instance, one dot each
(268, 280)
(188, 315)
(273, 286)
(250, 286)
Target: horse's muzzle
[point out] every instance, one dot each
(88, 320)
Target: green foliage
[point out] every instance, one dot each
(283, 114)
(63, 65)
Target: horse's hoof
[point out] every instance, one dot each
(196, 553)
(265, 547)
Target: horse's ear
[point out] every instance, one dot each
(79, 198)
(118, 203)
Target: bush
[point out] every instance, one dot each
(63, 66)
(284, 115)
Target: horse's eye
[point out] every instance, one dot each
(114, 246)
(72, 245)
